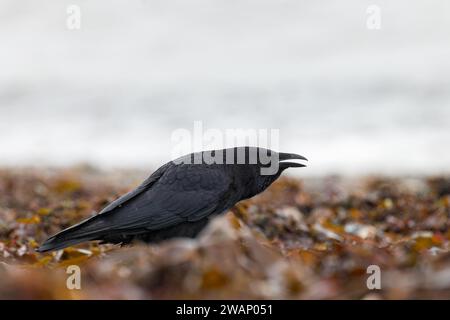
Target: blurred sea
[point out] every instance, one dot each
(353, 100)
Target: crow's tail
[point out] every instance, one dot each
(90, 229)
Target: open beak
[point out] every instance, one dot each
(291, 156)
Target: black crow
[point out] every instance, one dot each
(179, 198)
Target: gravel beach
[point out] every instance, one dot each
(301, 239)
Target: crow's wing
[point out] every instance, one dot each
(182, 193)
(172, 195)
(144, 186)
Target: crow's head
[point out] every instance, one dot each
(268, 173)
(267, 167)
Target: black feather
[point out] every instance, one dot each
(176, 200)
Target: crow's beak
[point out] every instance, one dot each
(290, 156)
